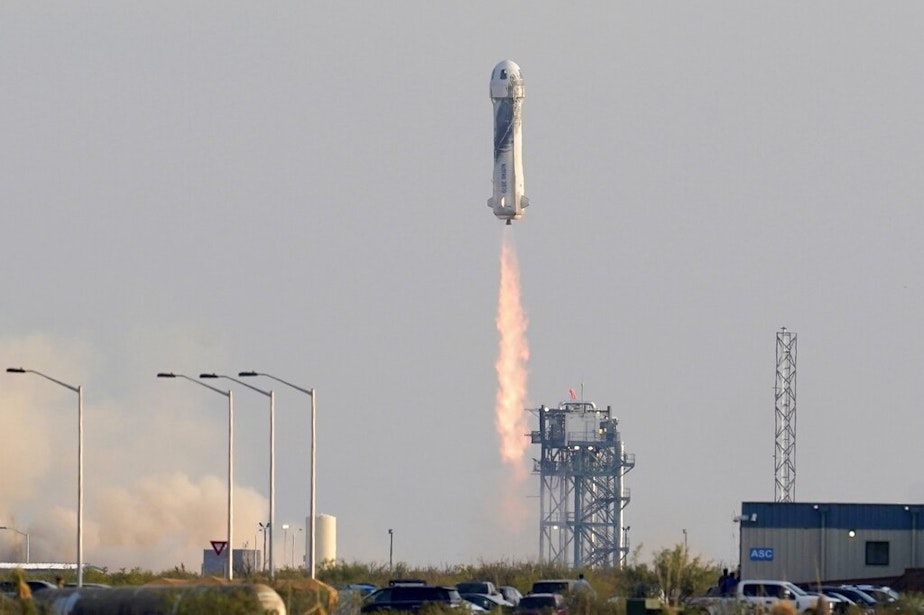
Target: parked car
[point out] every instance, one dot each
(844, 603)
(478, 587)
(489, 602)
(703, 603)
(862, 599)
(768, 593)
(881, 593)
(511, 594)
(553, 586)
(361, 589)
(411, 598)
(394, 582)
(11, 588)
(541, 604)
(763, 594)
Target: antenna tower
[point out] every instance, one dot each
(784, 456)
(581, 470)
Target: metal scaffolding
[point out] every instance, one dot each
(582, 465)
(784, 456)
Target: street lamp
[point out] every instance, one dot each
(822, 510)
(13, 529)
(293, 547)
(265, 529)
(79, 390)
(625, 541)
(285, 542)
(391, 549)
(310, 551)
(230, 395)
(271, 524)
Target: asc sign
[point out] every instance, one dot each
(761, 554)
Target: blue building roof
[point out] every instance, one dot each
(831, 515)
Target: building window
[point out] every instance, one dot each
(877, 553)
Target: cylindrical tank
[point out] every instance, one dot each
(326, 544)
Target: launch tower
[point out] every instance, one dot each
(581, 467)
(784, 456)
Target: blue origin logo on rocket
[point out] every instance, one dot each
(507, 94)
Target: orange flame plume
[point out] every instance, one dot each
(512, 355)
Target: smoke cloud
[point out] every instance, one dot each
(170, 517)
(155, 488)
(162, 522)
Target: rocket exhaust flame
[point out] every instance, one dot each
(512, 355)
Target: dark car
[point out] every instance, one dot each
(553, 586)
(361, 589)
(410, 598)
(862, 599)
(843, 604)
(394, 582)
(478, 587)
(541, 604)
(880, 593)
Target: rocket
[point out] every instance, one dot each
(507, 94)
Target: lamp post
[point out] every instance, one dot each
(13, 529)
(264, 529)
(293, 547)
(79, 390)
(625, 540)
(230, 395)
(271, 524)
(310, 551)
(285, 542)
(823, 548)
(391, 549)
(914, 534)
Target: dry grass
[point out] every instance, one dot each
(783, 608)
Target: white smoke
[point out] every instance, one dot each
(155, 486)
(171, 519)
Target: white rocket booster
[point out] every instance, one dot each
(507, 94)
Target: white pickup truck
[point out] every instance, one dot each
(763, 594)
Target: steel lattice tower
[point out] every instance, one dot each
(581, 469)
(784, 457)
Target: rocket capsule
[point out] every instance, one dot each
(507, 93)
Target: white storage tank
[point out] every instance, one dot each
(325, 545)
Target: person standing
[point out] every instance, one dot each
(581, 585)
(722, 583)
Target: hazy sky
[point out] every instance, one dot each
(300, 189)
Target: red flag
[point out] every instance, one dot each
(573, 394)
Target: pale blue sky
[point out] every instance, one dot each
(300, 189)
